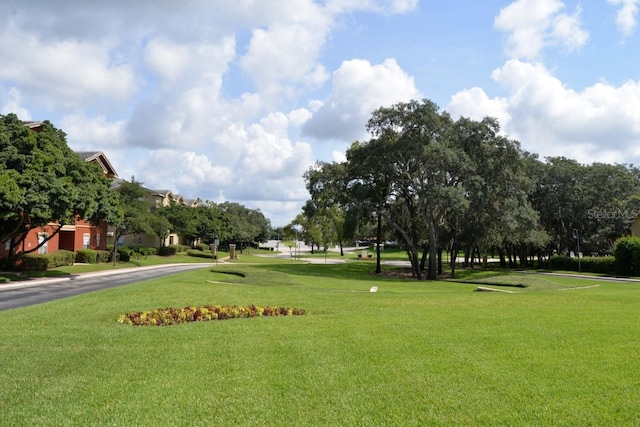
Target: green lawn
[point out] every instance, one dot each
(411, 354)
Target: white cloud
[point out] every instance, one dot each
(599, 123)
(339, 156)
(92, 133)
(533, 25)
(13, 104)
(475, 104)
(358, 89)
(257, 164)
(284, 53)
(183, 65)
(67, 73)
(627, 15)
(380, 6)
(192, 175)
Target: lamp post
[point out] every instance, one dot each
(576, 236)
(214, 247)
(115, 241)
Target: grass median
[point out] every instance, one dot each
(412, 353)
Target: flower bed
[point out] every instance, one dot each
(172, 316)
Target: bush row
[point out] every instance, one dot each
(172, 316)
(90, 256)
(172, 250)
(603, 265)
(200, 254)
(46, 261)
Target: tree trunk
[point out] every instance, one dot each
(423, 259)
(503, 261)
(432, 274)
(378, 238)
(454, 257)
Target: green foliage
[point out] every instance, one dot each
(40, 262)
(199, 254)
(88, 256)
(627, 255)
(169, 250)
(202, 247)
(602, 265)
(43, 180)
(103, 256)
(124, 254)
(245, 225)
(144, 250)
(172, 316)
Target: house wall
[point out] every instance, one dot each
(71, 239)
(635, 227)
(31, 241)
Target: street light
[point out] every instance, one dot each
(576, 236)
(214, 247)
(115, 241)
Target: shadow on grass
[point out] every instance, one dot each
(350, 270)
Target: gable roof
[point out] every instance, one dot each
(101, 159)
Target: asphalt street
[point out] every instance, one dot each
(30, 292)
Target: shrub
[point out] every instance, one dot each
(37, 262)
(169, 250)
(88, 256)
(603, 265)
(103, 256)
(144, 251)
(202, 247)
(124, 254)
(42, 262)
(627, 255)
(200, 254)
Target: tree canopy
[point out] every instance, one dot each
(436, 183)
(43, 181)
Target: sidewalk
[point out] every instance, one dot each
(5, 286)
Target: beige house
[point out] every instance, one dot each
(156, 198)
(635, 227)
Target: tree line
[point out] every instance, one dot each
(227, 222)
(436, 184)
(43, 182)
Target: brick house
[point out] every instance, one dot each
(72, 237)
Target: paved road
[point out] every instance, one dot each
(20, 294)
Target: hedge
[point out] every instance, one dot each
(603, 265)
(88, 256)
(202, 247)
(200, 254)
(42, 262)
(169, 250)
(91, 256)
(627, 253)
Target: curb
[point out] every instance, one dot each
(53, 280)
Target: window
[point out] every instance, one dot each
(98, 240)
(7, 245)
(139, 240)
(86, 240)
(170, 240)
(121, 241)
(41, 238)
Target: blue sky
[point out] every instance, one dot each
(235, 99)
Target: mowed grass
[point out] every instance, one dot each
(411, 354)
